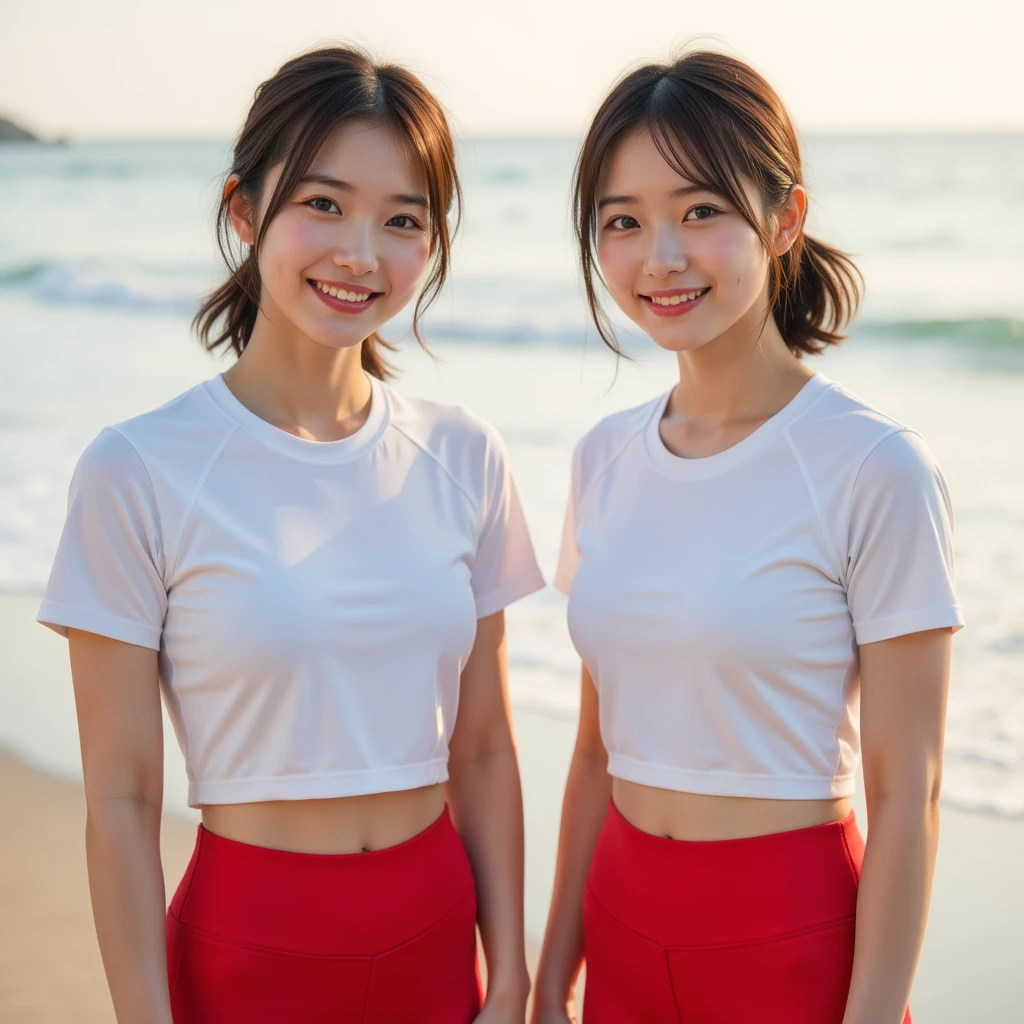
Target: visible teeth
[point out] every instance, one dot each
(341, 293)
(674, 300)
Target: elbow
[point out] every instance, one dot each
(110, 811)
(914, 800)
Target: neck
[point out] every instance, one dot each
(748, 373)
(297, 384)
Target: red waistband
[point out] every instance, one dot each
(700, 893)
(333, 904)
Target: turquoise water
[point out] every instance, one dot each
(104, 249)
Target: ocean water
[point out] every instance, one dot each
(105, 248)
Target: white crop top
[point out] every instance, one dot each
(719, 602)
(313, 603)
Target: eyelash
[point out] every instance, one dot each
(611, 225)
(415, 224)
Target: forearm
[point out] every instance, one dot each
(127, 887)
(892, 907)
(487, 809)
(583, 811)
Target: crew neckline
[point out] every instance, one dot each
(301, 448)
(712, 465)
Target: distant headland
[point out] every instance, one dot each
(11, 132)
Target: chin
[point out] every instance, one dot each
(679, 341)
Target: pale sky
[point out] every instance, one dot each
(187, 68)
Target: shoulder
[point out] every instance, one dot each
(855, 456)
(159, 454)
(608, 439)
(466, 447)
(840, 422)
(188, 426)
(839, 437)
(173, 444)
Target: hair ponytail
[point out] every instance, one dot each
(816, 295)
(292, 114)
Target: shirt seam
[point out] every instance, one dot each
(194, 497)
(48, 605)
(898, 428)
(312, 776)
(637, 430)
(735, 775)
(473, 504)
(152, 489)
(831, 548)
(532, 577)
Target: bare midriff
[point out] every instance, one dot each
(699, 818)
(348, 824)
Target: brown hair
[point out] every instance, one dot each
(292, 114)
(716, 121)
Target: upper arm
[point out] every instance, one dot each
(484, 721)
(117, 698)
(899, 543)
(904, 687)
(588, 733)
(903, 602)
(108, 571)
(504, 567)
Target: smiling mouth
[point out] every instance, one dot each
(674, 303)
(343, 298)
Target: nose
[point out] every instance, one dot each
(356, 251)
(667, 254)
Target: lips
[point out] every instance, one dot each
(674, 302)
(342, 297)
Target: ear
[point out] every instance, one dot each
(790, 220)
(239, 211)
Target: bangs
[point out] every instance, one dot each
(686, 138)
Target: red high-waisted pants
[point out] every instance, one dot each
(260, 936)
(744, 931)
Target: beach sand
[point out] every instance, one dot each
(972, 967)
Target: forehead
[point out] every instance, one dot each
(634, 164)
(371, 158)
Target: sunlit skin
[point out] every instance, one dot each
(660, 235)
(358, 221)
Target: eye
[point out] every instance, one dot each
(323, 205)
(622, 222)
(410, 223)
(702, 212)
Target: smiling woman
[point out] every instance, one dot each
(313, 568)
(760, 579)
(312, 165)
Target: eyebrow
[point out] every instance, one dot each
(410, 198)
(678, 193)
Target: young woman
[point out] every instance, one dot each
(313, 568)
(759, 572)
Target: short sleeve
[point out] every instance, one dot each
(107, 574)
(900, 575)
(504, 566)
(569, 552)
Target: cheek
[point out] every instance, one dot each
(734, 261)
(406, 264)
(620, 265)
(289, 247)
